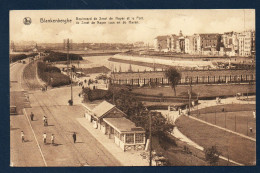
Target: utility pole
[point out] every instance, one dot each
(189, 100)
(67, 43)
(198, 104)
(247, 125)
(235, 123)
(215, 116)
(225, 120)
(150, 136)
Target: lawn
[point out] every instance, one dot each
(29, 76)
(179, 156)
(227, 108)
(230, 145)
(236, 117)
(203, 90)
(101, 69)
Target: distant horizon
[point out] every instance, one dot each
(120, 42)
(153, 24)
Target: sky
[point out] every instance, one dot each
(153, 23)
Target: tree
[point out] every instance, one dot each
(136, 112)
(174, 77)
(212, 155)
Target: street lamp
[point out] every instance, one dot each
(150, 136)
(67, 45)
(150, 119)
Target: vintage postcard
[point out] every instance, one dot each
(132, 88)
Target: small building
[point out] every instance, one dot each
(126, 135)
(112, 122)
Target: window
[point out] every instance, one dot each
(117, 134)
(122, 137)
(129, 139)
(139, 137)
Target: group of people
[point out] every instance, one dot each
(45, 138)
(45, 123)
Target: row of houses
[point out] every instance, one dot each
(229, 43)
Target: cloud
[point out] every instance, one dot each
(78, 33)
(33, 32)
(158, 22)
(230, 24)
(188, 24)
(146, 31)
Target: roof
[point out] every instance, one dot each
(123, 124)
(91, 105)
(102, 108)
(162, 37)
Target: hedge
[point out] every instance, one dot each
(58, 56)
(96, 94)
(17, 57)
(52, 75)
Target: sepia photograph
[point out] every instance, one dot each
(92, 88)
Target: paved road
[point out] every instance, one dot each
(62, 123)
(15, 76)
(21, 154)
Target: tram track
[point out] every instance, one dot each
(81, 154)
(102, 155)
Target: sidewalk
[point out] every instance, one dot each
(232, 100)
(129, 158)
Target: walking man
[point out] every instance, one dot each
(46, 121)
(74, 137)
(32, 115)
(22, 136)
(44, 138)
(52, 139)
(44, 118)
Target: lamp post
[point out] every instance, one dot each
(247, 125)
(150, 119)
(67, 41)
(150, 136)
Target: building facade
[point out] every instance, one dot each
(227, 44)
(244, 43)
(112, 122)
(160, 43)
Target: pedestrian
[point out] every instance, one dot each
(52, 139)
(46, 121)
(44, 118)
(74, 137)
(22, 136)
(254, 114)
(44, 138)
(32, 115)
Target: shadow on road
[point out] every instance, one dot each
(14, 128)
(27, 140)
